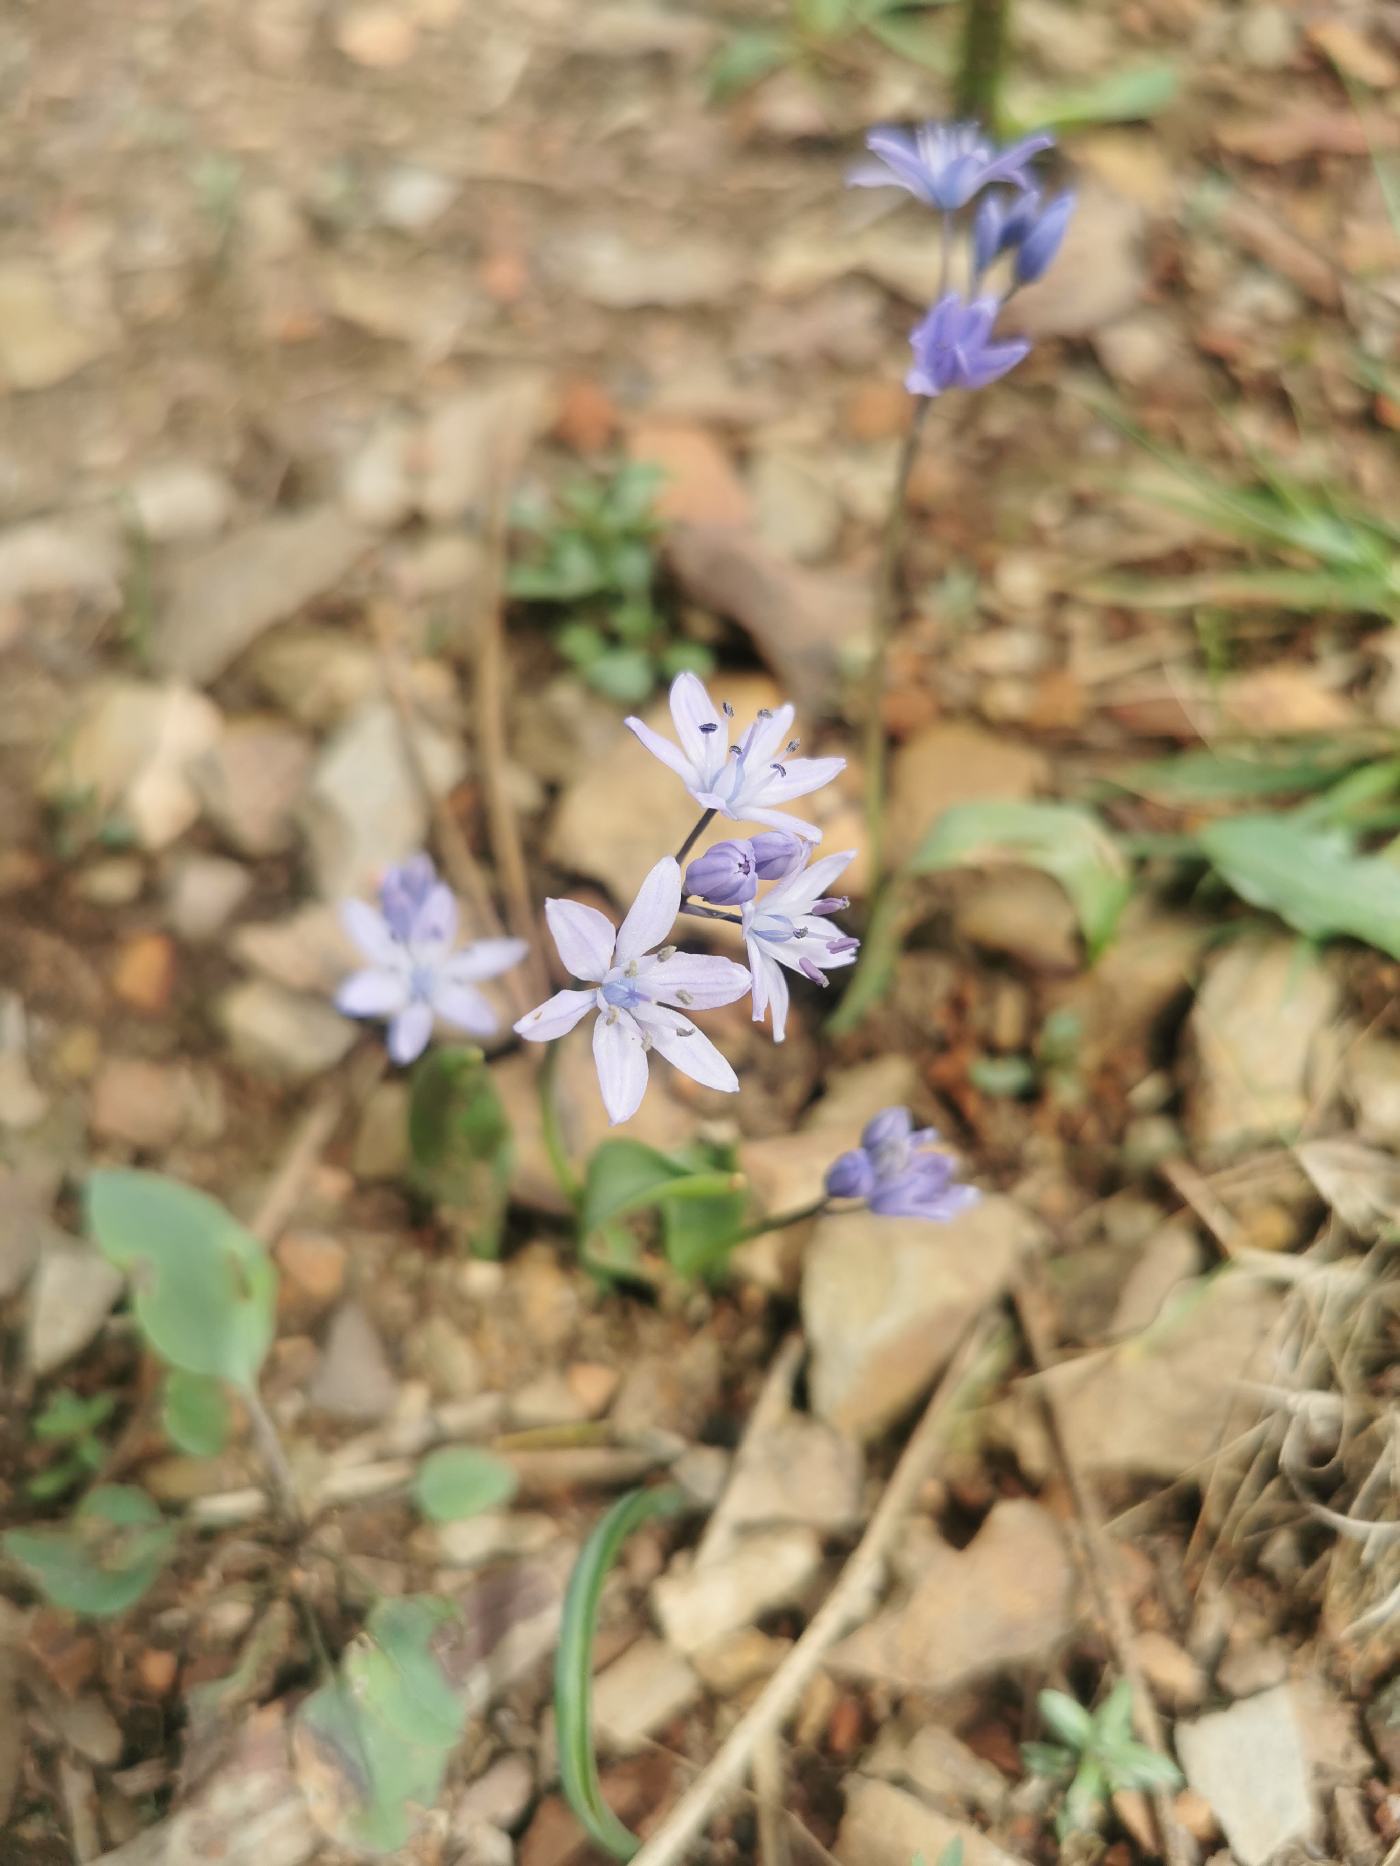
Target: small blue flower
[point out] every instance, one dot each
(898, 1174)
(414, 975)
(944, 164)
(1034, 232)
(953, 347)
(1038, 246)
(726, 874)
(791, 927)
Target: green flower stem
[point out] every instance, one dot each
(879, 951)
(982, 60)
(886, 594)
(567, 1179)
(781, 1220)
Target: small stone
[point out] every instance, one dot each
(956, 763)
(802, 1471)
(40, 344)
(795, 509)
(1267, 37)
(282, 1032)
(132, 750)
(468, 440)
(315, 1263)
(253, 781)
(698, 483)
(493, 1536)
(941, 1767)
(115, 882)
(586, 418)
(699, 1604)
(381, 1141)
(547, 1400)
(1373, 1085)
(727, 1665)
(86, 1725)
(140, 1104)
(203, 893)
(1250, 1666)
(1099, 275)
(179, 501)
(378, 485)
(640, 1693)
(309, 951)
(62, 558)
(23, 1104)
(500, 1797)
(1009, 1598)
(70, 1296)
(1171, 1671)
(1250, 1763)
(354, 1379)
(624, 271)
(316, 675)
(593, 1385)
(144, 973)
(1023, 913)
(158, 1668)
(887, 1826)
(378, 37)
(446, 1359)
(411, 198)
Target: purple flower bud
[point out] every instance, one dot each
(954, 347)
(891, 1124)
(988, 227)
(851, 1177)
(404, 891)
(1040, 244)
(777, 854)
(725, 874)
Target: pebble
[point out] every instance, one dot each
(40, 344)
(795, 509)
(493, 1536)
(354, 1379)
(727, 1665)
(72, 1291)
(202, 894)
(132, 748)
(315, 1263)
(49, 557)
(1171, 1671)
(801, 1471)
(622, 271)
(940, 1766)
(283, 1033)
(640, 1693)
(1022, 913)
(379, 37)
(887, 1826)
(381, 1149)
(143, 975)
(377, 486)
(252, 783)
(1250, 1763)
(140, 1104)
(411, 198)
(500, 1797)
(701, 1603)
(698, 484)
(179, 501)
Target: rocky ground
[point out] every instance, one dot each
(295, 290)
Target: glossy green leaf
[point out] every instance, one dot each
(195, 1413)
(1066, 842)
(573, 1665)
(1310, 877)
(460, 1140)
(460, 1481)
(104, 1558)
(1002, 1076)
(203, 1287)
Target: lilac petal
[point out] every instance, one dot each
(583, 936)
(663, 749)
(378, 991)
(1009, 164)
(876, 174)
(901, 1201)
(795, 777)
(409, 1032)
(692, 709)
(687, 1048)
(435, 924)
(889, 1124)
(652, 915)
(851, 1176)
(621, 1060)
(465, 1007)
(371, 932)
(698, 981)
(484, 958)
(1000, 357)
(556, 1017)
(779, 819)
(826, 944)
(799, 891)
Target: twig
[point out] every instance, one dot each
(773, 1847)
(1097, 1558)
(1193, 1190)
(843, 1607)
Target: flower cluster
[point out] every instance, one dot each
(414, 975)
(946, 166)
(896, 1174)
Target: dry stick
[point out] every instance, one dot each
(773, 1847)
(842, 1608)
(1097, 1558)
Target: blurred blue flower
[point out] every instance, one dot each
(897, 1173)
(944, 164)
(726, 874)
(953, 347)
(1023, 225)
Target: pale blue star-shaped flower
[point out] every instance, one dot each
(896, 1174)
(954, 348)
(945, 164)
(790, 927)
(414, 975)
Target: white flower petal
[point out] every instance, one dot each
(584, 938)
(464, 1007)
(795, 893)
(797, 777)
(767, 738)
(693, 710)
(687, 1048)
(484, 958)
(663, 749)
(435, 924)
(652, 915)
(370, 932)
(621, 1060)
(409, 1032)
(378, 991)
(556, 1017)
(779, 998)
(776, 819)
(698, 981)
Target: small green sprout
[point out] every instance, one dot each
(69, 1421)
(1097, 1755)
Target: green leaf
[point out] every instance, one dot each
(67, 1416)
(826, 19)
(1066, 842)
(626, 1176)
(369, 1787)
(573, 1664)
(743, 60)
(1084, 1801)
(952, 1854)
(679, 657)
(1124, 96)
(1002, 1076)
(1049, 1760)
(1140, 1767)
(1309, 877)
(203, 1288)
(700, 1228)
(394, 1672)
(461, 1481)
(195, 1413)
(1067, 1718)
(580, 642)
(104, 1558)
(1230, 777)
(622, 674)
(460, 1140)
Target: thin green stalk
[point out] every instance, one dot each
(886, 593)
(761, 1226)
(552, 1133)
(982, 61)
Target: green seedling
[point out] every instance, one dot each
(71, 1425)
(103, 1559)
(1096, 1756)
(460, 1481)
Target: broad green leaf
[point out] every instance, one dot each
(460, 1140)
(1066, 842)
(366, 1785)
(1136, 1766)
(701, 1228)
(1048, 1759)
(1230, 777)
(744, 59)
(203, 1288)
(460, 1481)
(1124, 96)
(580, 642)
(573, 1665)
(104, 1558)
(1067, 1718)
(1309, 877)
(679, 657)
(393, 1672)
(195, 1413)
(626, 1176)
